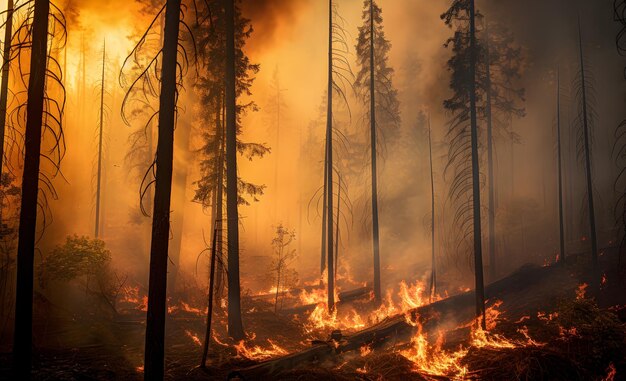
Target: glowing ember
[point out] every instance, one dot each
(258, 353)
(581, 291)
(193, 337)
(604, 280)
(365, 350)
(139, 369)
(611, 373)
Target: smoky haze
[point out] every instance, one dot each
(290, 44)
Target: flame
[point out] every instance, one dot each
(193, 337)
(258, 353)
(131, 295)
(611, 373)
(216, 338)
(581, 291)
(365, 350)
(604, 280)
(316, 296)
(433, 360)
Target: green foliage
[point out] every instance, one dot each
(210, 37)
(78, 256)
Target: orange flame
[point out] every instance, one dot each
(193, 337)
(581, 291)
(258, 353)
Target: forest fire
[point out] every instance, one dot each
(294, 190)
(256, 352)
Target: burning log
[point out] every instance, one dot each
(460, 307)
(362, 292)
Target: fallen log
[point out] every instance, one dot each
(458, 308)
(350, 295)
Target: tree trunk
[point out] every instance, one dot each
(561, 257)
(324, 209)
(492, 191)
(337, 223)
(329, 165)
(586, 133)
(235, 326)
(209, 317)
(4, 90)
(155, 324)
(219, 200)
(22, 345)
(375, 236)
(100, 130)
(478, 251)
(433, 267)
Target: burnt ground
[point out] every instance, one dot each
(578, 338)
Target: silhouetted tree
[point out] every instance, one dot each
(560, 167)
(43, 136)
(167, 70)
(463, 134)
(339, 76)
(498, 68)
(4, 85)
(100, 146)
(374, 82)
(619, 147)
(212, 48)
(585, 122)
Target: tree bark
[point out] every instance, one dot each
(375, 233)
(235, 326)
(23, 334)
(586, 133)
(561, 257)
(209, 317)
(4, 90)
(100, 130)
(478, 251)
(490, 164)
(155, 324)
(329, 166)
(433, 265)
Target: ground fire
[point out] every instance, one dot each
(313, 190)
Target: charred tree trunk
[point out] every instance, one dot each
(478, 251)
(4, 90)
(209, 317)
(337, 224)
(492, 192)
(433, 266)
(560, 169)
(22, 345)
(329, 165)
(100, 130)
(375, 234)
(155, 324)
(587, 148)
(219, 200)
(324, 209)
(235, 326)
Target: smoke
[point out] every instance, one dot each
(272, 20)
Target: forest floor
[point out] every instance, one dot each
(549, 327)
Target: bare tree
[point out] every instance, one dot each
(43, 122)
